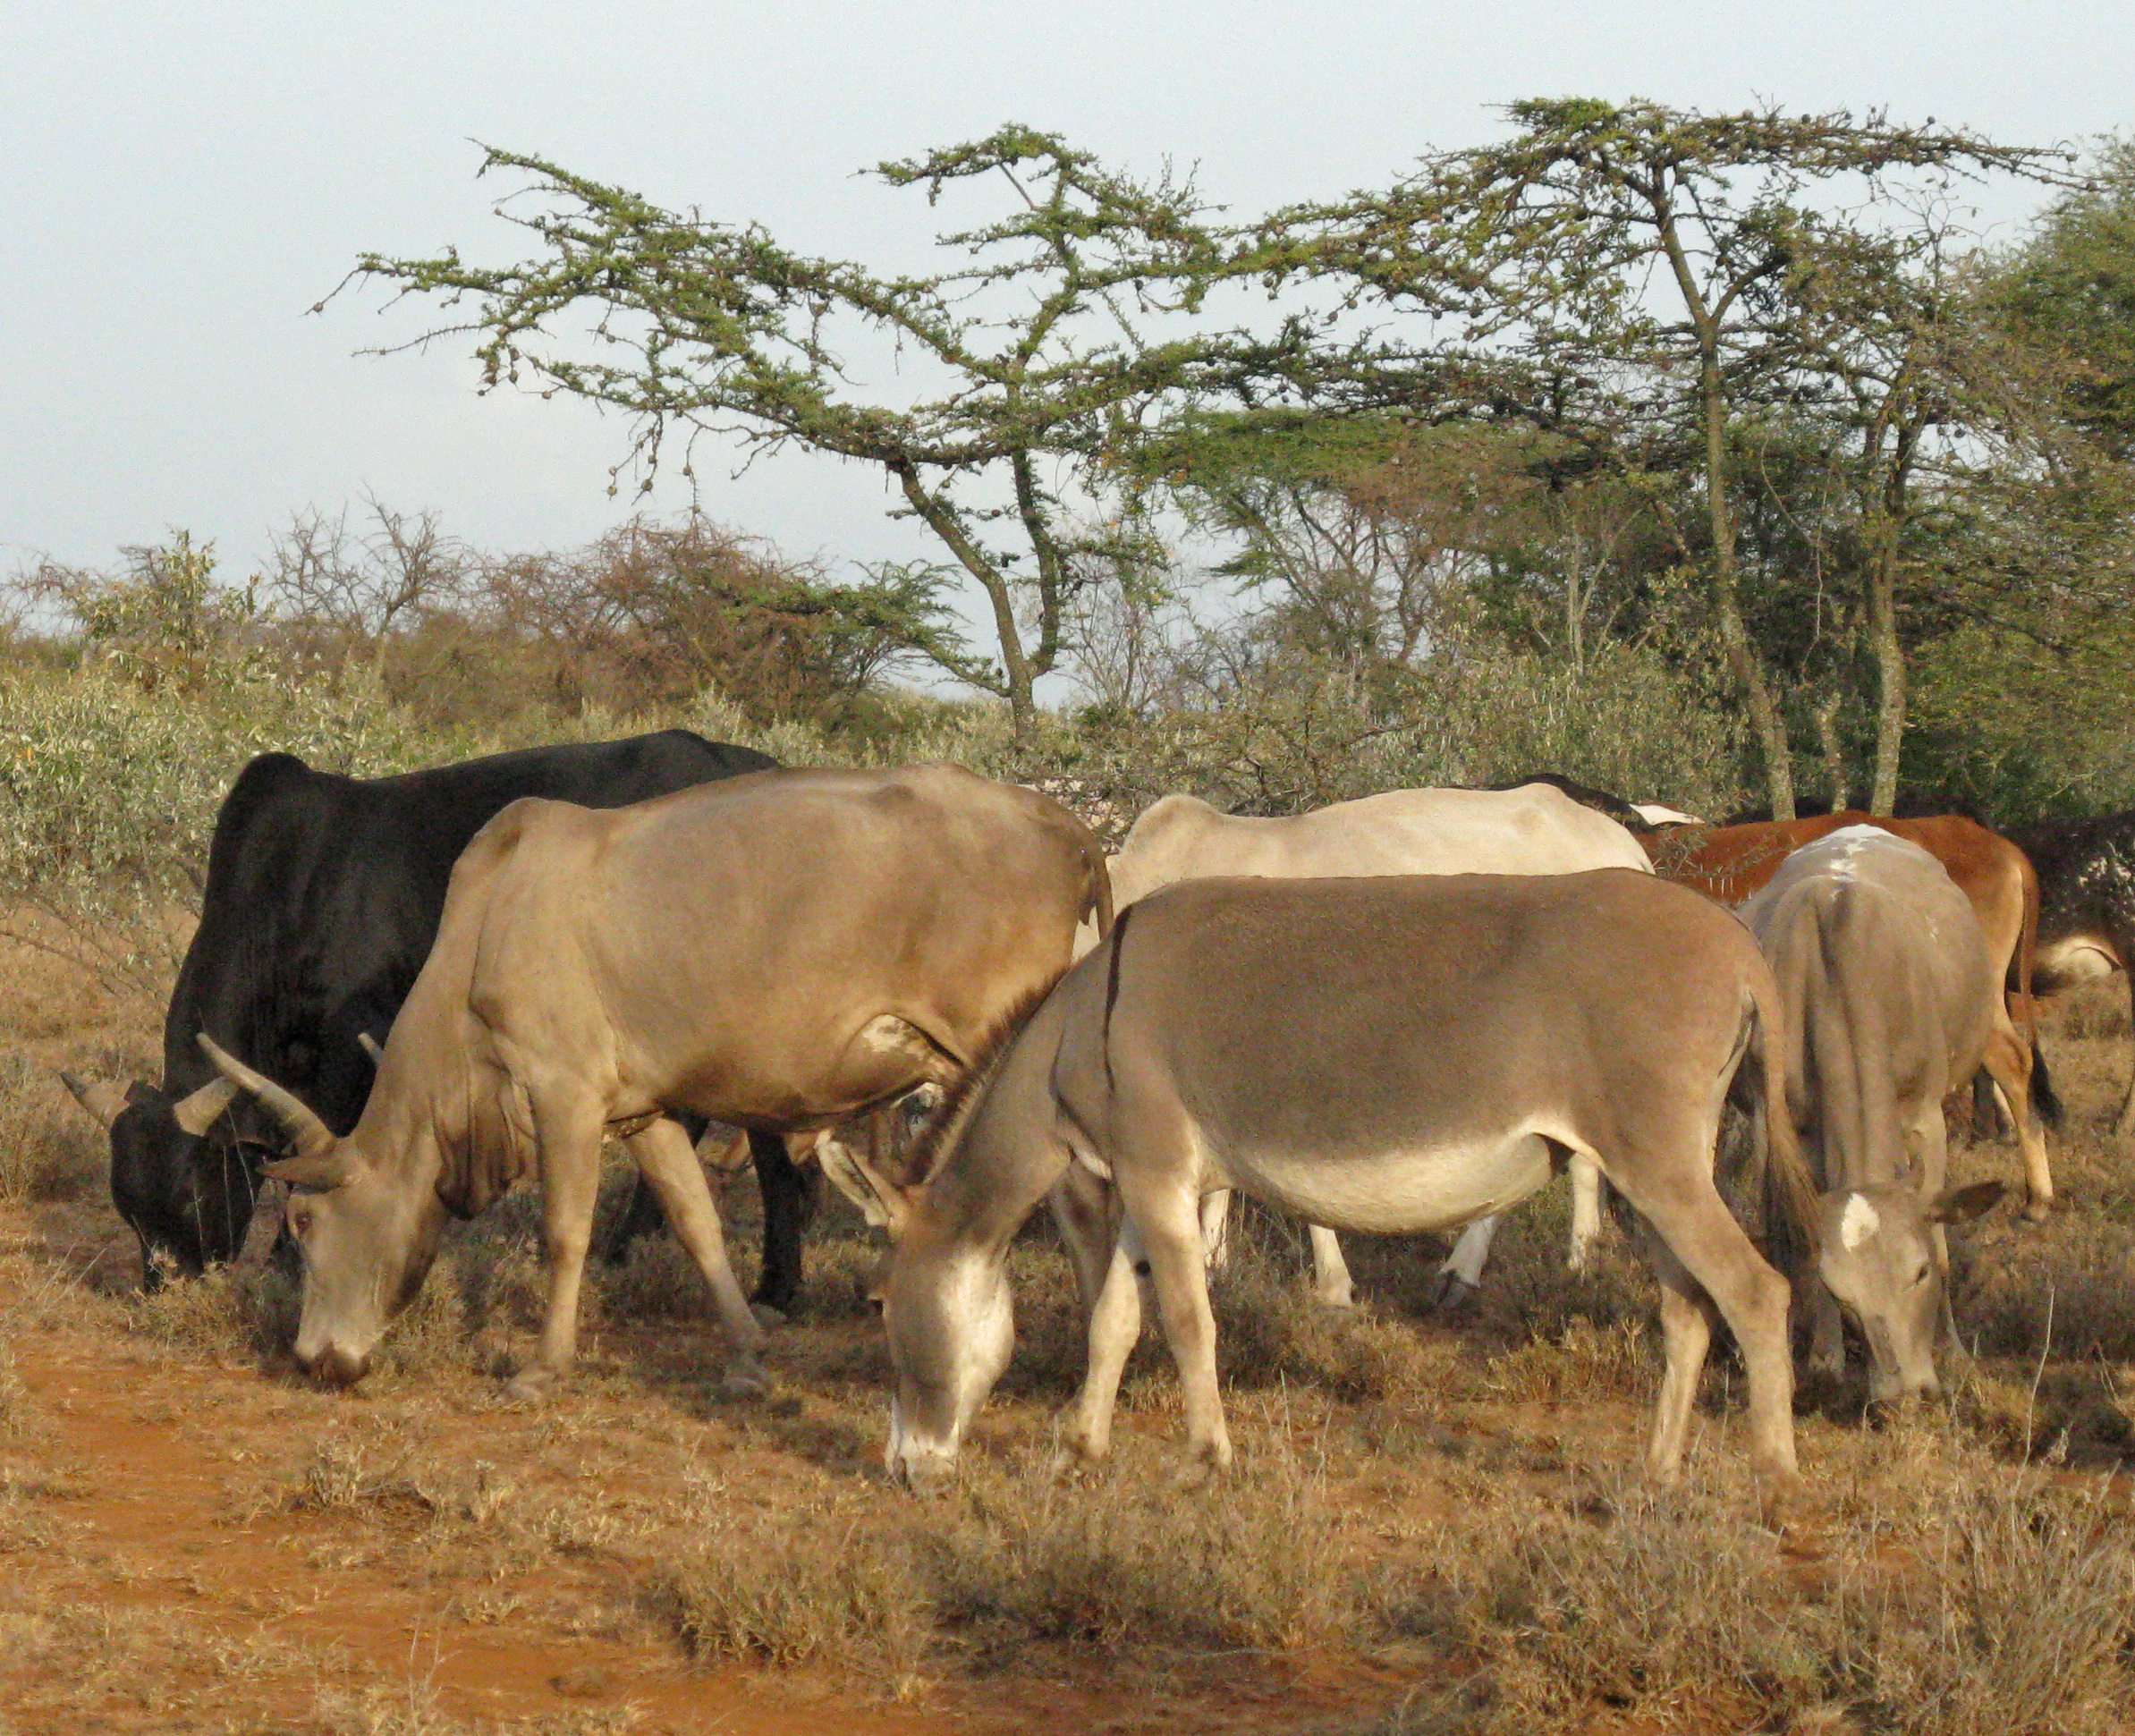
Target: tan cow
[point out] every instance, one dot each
(1534, 828)
(1890, 989)
(779, 951)
(1382, 1055)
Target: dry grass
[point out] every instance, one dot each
(49, 1148)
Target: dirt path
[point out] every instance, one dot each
(153, 1522)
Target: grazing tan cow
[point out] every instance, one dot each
(1891, 992)
(1383, 1054)
(1731, 862)
(1532, 828)
(779, 952)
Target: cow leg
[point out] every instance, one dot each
(2123, 1123)
(1461, 1273)
(1215, 1227)
(2008, 1058)
(1678, 1200)
(642, 1219)
(1331, 1283)
(786, 1217)
(568, 1135)
(668, 1165)
(1115, 1326)
(1586, 1214)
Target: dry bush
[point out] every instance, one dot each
(1127, 1558)
(49, 1148)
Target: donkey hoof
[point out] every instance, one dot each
(530, 1387)
(2038, 1210)
(745, 1380)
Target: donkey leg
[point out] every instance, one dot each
(1171, 1236)
(1115, 1326)
(668, 1163)
(1086, 1212)
(1686, 1319)
(1685, 1211)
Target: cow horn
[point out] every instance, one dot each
(101, 1098)
(314, 1138)
(196, 1114)
(372, 1048)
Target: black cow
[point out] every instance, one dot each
(323, 897)
(2086, 909)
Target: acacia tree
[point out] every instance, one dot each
(1638, 253)
(1045, 347)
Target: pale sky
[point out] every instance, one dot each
(180, 183)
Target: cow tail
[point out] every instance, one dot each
(2043, 1102)
(1112, 990)
(1789, 1188)
(1100, 888)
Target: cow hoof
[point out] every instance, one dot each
(1345, 1304)
(1454, 1293)
(530, 1387)
(2037, 1211)
(768, 1317)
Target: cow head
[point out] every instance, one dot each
(1876, 1251)
(367, 1237)
(186, 1196)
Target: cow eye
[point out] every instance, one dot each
(299, 1222)
(1920, 1277)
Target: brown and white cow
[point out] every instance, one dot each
(779, 951)
(1731, 862)
(1385, 1055)
(1891, 993)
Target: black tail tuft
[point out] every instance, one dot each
(2043, 1097)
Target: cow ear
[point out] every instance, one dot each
(1962, 1204)
(885, 1205)
(196, 1114)
(322, 1173)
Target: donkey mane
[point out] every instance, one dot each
(961, 1095)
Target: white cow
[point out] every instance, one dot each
(1534, 829)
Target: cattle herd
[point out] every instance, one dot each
(1403, 1012)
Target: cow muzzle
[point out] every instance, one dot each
(335, 1366)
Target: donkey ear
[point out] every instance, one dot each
(1962, 1204)
(885, 1205)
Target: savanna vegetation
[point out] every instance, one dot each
(1705, 459)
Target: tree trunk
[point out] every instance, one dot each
(1734, 634)
(1890, 664)
(1016, 679)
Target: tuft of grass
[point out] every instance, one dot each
(14, 1396)
(789, 1594)
(1584, 1363)
(229, 1312)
